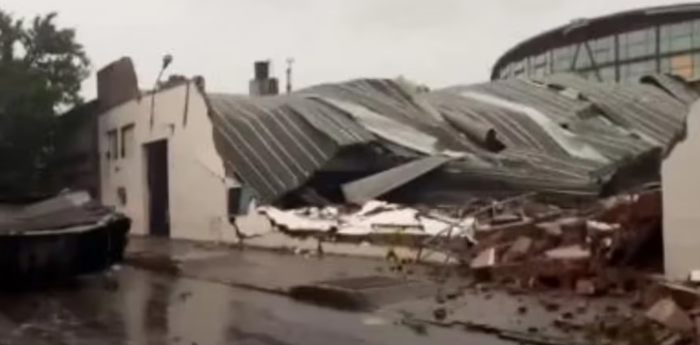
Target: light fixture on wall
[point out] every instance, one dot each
(167, 60)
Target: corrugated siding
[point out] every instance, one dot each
(275, 144)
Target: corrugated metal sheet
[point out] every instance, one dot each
(673, 86)
(371, 187)
(649, 112)
(560, 133)
(275, 144)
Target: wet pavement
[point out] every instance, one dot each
(132, 306)
(561, 317)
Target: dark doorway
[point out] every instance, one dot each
(157, 175)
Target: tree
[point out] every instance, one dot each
(41, 69)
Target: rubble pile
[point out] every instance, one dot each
(665, 313)
(599, 249)
(590, 250)
(519, 240)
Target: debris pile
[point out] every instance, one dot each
(366, 139)
(376, 222)
(530, 183)
(590, 250)
(670, 315)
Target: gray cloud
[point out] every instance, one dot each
(437, 42)
(404, 15)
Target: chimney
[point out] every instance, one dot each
(262, 70)
(262, 84)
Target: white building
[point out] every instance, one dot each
(158, 163)
(681, 202)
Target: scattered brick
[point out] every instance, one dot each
(519, 249)
(669, 314)
(573, 252)
(550, 306)
(585, 287)
(485, 259)
(440, 314)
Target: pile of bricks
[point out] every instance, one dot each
(587, 250)
(672, 312)
(590, 251)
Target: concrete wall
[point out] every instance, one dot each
(681, 202)
(197, 188)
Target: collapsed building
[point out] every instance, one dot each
(365, 139)
(317, 160)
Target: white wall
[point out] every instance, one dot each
(681, 202)
(197, 192)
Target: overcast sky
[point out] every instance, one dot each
(435, 42)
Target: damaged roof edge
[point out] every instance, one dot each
(277, 144)
(369, 188)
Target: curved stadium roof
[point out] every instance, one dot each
(590, 28)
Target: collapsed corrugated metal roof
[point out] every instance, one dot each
(562, 133)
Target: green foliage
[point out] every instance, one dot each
(41, 68)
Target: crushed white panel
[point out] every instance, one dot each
(292, 221)
(434, 227)
(372, 206)
(694, 276)
(375, 217)
(602, 227)
(391, 220)
(574, 252)
(406, 217)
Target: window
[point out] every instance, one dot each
(696, 34)
(681, 65)
(637, 69)
(539, 65)
(112, 144)
(127, 134)
(601, 74)
(603, 50)
(679, 37)
(539, 72)
(637, 44)
(583, 60)
(519, 67)
(504, 72)
(665, 65)
(240, 200)
(607, 73)
(561, 58)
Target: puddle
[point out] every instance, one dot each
(132, 306)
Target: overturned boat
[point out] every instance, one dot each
(61, 237)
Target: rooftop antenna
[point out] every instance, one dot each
(290, 63)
